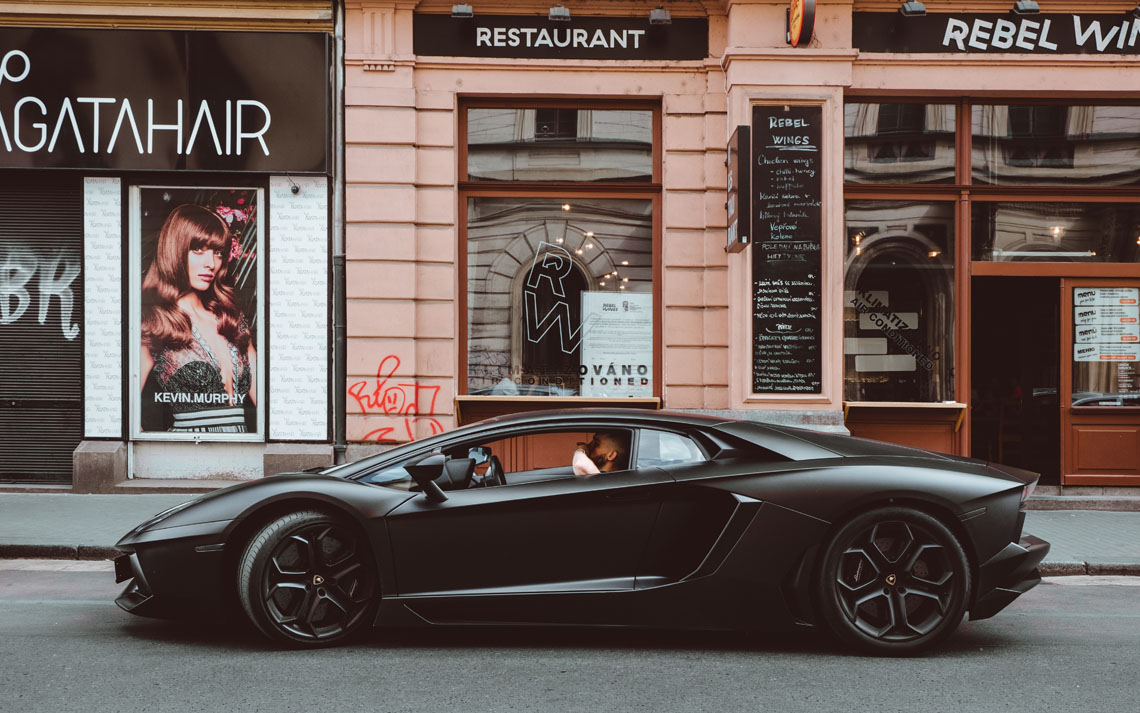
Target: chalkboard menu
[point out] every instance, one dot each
(787, 233)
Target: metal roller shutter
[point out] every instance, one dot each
(41, 319)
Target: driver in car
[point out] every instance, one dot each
(604, 453)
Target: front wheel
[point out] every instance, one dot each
(893, 581)
(307, 578)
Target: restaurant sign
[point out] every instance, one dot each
(1046, 33)
(536, 37)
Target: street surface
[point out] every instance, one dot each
(1072, 644)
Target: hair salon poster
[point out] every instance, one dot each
(617, 344)
(196, 306)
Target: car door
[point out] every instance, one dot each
(576, 534)
(565, 535)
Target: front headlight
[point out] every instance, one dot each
(162, 516)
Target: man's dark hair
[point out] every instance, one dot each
(621, 443)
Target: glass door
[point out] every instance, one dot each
(1100, 388)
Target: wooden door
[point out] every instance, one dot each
(1100, 384)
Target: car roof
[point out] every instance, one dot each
(629, 415)
(791, 443)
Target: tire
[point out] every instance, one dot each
(893, 581)
(308, 579)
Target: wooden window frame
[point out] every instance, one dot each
(963, 191)
(569, 190)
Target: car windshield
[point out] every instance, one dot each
(394, 476)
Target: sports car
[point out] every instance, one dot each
(694, 521)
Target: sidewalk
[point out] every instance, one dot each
(69, 526)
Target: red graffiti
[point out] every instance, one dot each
(396, 400)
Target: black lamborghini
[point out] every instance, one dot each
(699, 522)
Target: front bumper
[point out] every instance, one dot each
(137, 592)
(1007, 575)
(173, 572)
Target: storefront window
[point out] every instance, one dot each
(1055, 144)
(559, 281)
(899, 143)
(559, 297)
(899, 301)
(559, 144)
(1056, 232)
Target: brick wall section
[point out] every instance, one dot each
(695, 275)
(400, 235)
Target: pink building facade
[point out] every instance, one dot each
(914, 222)
(871, 298)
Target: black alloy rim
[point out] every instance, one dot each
(316, 584)
(896, 582)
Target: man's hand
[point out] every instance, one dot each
(582, 464)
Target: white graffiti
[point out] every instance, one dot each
(57, 270)
(553, 264)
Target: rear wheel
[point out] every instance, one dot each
(893, 581)
(307, 578)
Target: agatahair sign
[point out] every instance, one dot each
(536, 37)
(1052, 33)
(163, 100)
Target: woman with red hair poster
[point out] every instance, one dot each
(198, 357)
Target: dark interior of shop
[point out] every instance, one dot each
(1015, 373)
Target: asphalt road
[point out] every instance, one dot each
(1072, 644)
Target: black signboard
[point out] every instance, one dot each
(787, 231)
(739, 203)
(164, 100)
(536, 37)
(1047, 33)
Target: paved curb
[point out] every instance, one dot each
(1067, 569)
(58, 552)
(1120, 503)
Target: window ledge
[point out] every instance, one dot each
(469, 409)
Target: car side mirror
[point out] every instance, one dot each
(424, 471)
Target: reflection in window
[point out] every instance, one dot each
(899, 143)
(1051, 145)
(1056, 232)
(1037, 137)
(555, 124)
(898, 301)
(559, 144)
(656, 448)
(559, 297)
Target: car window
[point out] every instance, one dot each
(664, 448)
(548, 455)
(524, 458)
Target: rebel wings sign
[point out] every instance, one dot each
(1047, 33)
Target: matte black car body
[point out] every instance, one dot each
(733, 542)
